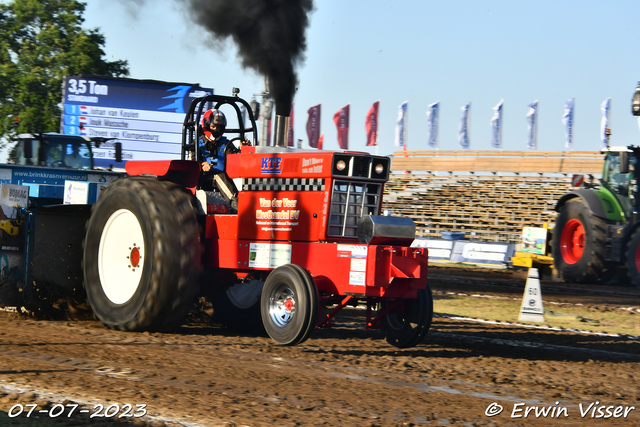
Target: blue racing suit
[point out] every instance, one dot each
(213, 153)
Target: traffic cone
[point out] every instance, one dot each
(531, 309)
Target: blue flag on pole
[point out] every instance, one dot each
(532, 123)
(496, 126)
(433, 114)
(401, 125)
(463, 129)
(567, 119)
(605, 106)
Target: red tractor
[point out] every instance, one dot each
(307, 240)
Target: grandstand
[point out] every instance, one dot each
(488, 196)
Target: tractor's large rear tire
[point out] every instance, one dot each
(579, 240)
(408, 323)
(289, 305)
(142, 255)
(633, 258)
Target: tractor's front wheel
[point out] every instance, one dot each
(142, 255)
(408, 322)
(289, 304)
(579, 240)
(633, 258)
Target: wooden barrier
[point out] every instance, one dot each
(568, 162)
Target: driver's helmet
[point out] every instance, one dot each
(213, 117)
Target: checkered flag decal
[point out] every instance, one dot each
(283, 184)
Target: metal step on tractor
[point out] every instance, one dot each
(597, 228)
(307, 240)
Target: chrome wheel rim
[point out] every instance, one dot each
(282, 305)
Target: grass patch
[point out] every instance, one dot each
(576, 317)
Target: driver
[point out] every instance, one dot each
(212, 147)
(74, 160)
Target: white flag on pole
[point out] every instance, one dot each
(401, 125)
(532, 122)
(496, 126)
(567, 119)
(605, 106)
(463, 129)
(433, 114)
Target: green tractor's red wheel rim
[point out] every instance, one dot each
(638, 259)
(572, 241)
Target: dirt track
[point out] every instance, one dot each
(202, 375)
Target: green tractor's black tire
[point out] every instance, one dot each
(583, 262)
(142, 255)
(633, 258)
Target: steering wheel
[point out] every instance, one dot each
(231, 148)
(235, 149)
(237, 138)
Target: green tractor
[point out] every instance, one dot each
(597, 230)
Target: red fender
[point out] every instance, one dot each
(182, 172)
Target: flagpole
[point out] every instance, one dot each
(405, 120)
(406, 124)
(438, 127)
(609, 118)
(469, 126)
(377, 124)
(501, 120)
(500, 129)
(535, 127)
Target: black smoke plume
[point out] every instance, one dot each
(270, 35)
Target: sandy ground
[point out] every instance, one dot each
(203, 375)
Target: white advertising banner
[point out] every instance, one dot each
(463, 129)
(532, 123)
(401, 125)
(567, 120)
(496, 126)
(433, 115)
(604, 124)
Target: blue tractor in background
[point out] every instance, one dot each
(47, 188)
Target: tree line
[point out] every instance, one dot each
(41, 41)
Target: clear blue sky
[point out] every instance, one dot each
(422, 51)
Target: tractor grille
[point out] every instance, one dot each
(361, 166)
(350, 201)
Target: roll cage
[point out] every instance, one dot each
(192, 131)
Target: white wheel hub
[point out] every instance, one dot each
(121, 256)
